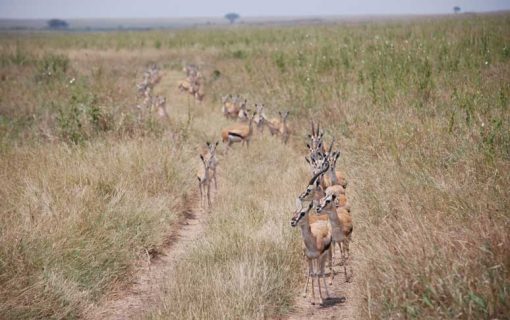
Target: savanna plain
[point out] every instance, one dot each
(91, 186)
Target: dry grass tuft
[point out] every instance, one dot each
(75, 220)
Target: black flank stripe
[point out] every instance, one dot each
(235, 134)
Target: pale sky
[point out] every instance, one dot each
(67, 9)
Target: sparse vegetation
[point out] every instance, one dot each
(420, 112)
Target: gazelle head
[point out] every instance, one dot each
(260, 120)
(316, 144)
(283, 116)
(211, 148)
(308, 194)
(243, 112)
(328, 202)
(333, 157)
(300, 213)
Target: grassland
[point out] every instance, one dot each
(420, 111)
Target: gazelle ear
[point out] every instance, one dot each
(308, 146)
(307, 160)
(337, 155)
(202, 157)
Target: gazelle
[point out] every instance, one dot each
(208, 154)
(317, 243)
(185, 86)
(260, 118)
(204, 180)
(239, 132)
(314, 193)
(243, 114)
(284, 128)
(341, 226)
(316, 144)
(278, 126)
(232, 106)
(160, 104)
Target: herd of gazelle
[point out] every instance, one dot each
(238, 132)
(323, 211)
(235, 107)
(151, 77)
(323, 215)
(193, 84)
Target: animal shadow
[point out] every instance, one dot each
(333, 301)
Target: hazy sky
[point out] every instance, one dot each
(210, 8)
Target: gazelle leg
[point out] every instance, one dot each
(310, 268)
(309, 275)
(322, 267)
(209, 193)
(341, 259)
(201, 195)
(330, 258)
(317, 274)
(215, 183)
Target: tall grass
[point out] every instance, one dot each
(420, 110)
(75, 220)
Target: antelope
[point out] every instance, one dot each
(278, 126)
(341, 226)
(243, 114)
(332, 177)
(196, 89)
(314, 193)
(161, 107)
(204, 180)
(154, 74)
(231, 108)
(260, 118)
(273, 125)
(191, 70)
(317, 244)
(210, 153)
(316, 144)
(239, 132)
(185, 85)
(284, 128)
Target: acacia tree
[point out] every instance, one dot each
(456, 9)
(232, 17)
(57, 24)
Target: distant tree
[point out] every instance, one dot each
(456, 9)
(57, 24)
(232, 17)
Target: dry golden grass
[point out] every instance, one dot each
(75, 220)
(420, 111)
